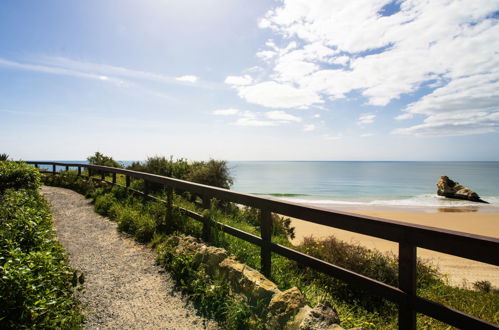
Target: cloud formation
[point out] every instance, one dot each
(188, 78)
(119, 76)
(365, 119)
(226, 112)
(385, 49)
(251, 118)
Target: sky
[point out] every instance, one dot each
(250, 80)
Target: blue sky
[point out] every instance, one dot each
(250, 80)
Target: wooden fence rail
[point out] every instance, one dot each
(408, 236)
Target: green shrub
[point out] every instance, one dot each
(4, 157)
(101, 159)
(126, 219)
(24, 221)
(213, 173)
(146, 227)
(36, 283)
(162, 166)
(103, 203)
(18, 175)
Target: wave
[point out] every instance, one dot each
(424, 200)
(286, 195)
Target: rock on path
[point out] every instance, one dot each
(124, 288)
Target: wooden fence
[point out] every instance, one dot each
(408, 236)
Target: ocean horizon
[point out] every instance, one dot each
(361, 184)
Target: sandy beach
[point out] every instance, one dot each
(459, 271)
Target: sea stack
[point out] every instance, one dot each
(451, 189)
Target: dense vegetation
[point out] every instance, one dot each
(36, 283)
(213, 172)
(148, 221)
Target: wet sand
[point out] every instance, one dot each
(459, 271)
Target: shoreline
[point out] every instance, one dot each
(459, 271)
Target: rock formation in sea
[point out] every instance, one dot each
(451, 189)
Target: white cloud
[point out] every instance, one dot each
(119, 76)
(274, 95)
(250, 118)
(332, 137)
(244, 121)
(282, 116)
(59, 71)
(226, 112)
(188, 78)
(266, 55)
(239, 80)
(365, 119)
(468, 105)
(366, 135)
(341, 47)
(317, 115)
(309, 127)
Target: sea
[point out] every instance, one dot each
(369, 184)
(366, 184)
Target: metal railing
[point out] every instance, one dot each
(408, 236)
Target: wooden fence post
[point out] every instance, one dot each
(114, 178)
(67, 168)
(127, 180)
(266, 233)
(207, 220)
(169, 204)
(146, 187)
(89, 174)
(53, 169)
(79, 170)
(36, 165)
(407, 283)
(103, 176)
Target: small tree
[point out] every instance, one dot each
(213, 173)
(101, 159)
(4, 157)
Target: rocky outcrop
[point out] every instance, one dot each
(285, 310)
(451, 189)
(283, 307)
(320, 317)
(248, 281)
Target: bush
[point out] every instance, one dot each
(36, 283)
(4, 157)
(359, 259)
(18, 176)
(212, 173)
(24, 220)
(163, 166)
(101, 159)
(136, 223)
(103, 203)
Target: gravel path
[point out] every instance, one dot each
(124, 289)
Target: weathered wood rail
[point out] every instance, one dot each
(408, 236)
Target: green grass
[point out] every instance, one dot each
(148, 220)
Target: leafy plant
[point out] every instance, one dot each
(213, 173)
(4, 157)
(36, 282)
(18, 175)
(101, 159)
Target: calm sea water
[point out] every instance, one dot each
(359, 184)
(395, 184)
